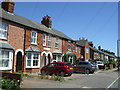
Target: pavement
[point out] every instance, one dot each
(101, 79)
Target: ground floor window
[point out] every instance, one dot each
(57, 57)
(33, 60)
(6, 57)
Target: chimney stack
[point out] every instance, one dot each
(8, 5)
(47, 21)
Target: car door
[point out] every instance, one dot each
(51, 68)
(77, 67)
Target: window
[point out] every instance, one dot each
(33, 60)
(3, 30)
(44, 40)
(57, 43)
(69, 46)
(34, 37)
(49, 40)
(54, 57)
(87, 50)
(76, 49)
(6, 59)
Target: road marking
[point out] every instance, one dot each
(86, 87)
(112, 83)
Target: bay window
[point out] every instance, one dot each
(33, 60)
(6, 57)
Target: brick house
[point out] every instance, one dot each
(26, 46)
(85, 50)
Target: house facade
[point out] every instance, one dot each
(26, 46)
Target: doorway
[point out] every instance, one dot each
(19, 62)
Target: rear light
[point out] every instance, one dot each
(66, 66)
(92, 65)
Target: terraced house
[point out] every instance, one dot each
(26, 46)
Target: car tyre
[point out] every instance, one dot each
(62, 73)
(70, 74)
(87, 71)
(43, 72)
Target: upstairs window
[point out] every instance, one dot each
(3, 30)
(49, 40)
(69, 46)
(57, 43)
(44, 40)
(76, 49)
(87, 50)
(34, 37)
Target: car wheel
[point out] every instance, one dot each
(62, 74)
(43, 72)
(69, 74)
(87, 71)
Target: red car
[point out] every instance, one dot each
(61, 68)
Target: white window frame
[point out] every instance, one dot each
(87, 50)
(44, 40)
(69, 44)
(10, 59)
(32, 37)
(2, 30)
(76, 49)
(49, 40)
(32, 53)
(57, 42)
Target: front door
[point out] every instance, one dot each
(19, 62)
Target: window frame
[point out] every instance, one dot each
(31, 64)
(69, 45)
(3, 30)
(49, 40)
(10, 62)
(57, 42)
(34, 38)
(44, 39)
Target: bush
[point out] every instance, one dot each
(9, 83)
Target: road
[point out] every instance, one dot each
(102, 79)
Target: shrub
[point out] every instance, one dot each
(10, 83)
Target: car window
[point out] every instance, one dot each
(69, 65)
(52, 65)
(59, 64)
(84, 63)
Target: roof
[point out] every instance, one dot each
(5, 45)
(32, 49)
(34, 25)
(81, 42)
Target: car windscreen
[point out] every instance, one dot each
(69, 65)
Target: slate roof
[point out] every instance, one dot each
(5, 45)
(81, 42)
(32, 49)
(26, 22)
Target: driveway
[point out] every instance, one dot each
(100, 79)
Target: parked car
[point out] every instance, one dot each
(84, 67)
(100, 64)
(61, 68)
(96, 65)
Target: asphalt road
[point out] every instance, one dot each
(103, 79)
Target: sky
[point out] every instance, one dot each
(95, 21)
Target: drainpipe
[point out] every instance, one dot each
(23, 67)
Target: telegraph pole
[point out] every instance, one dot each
(118, 41)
